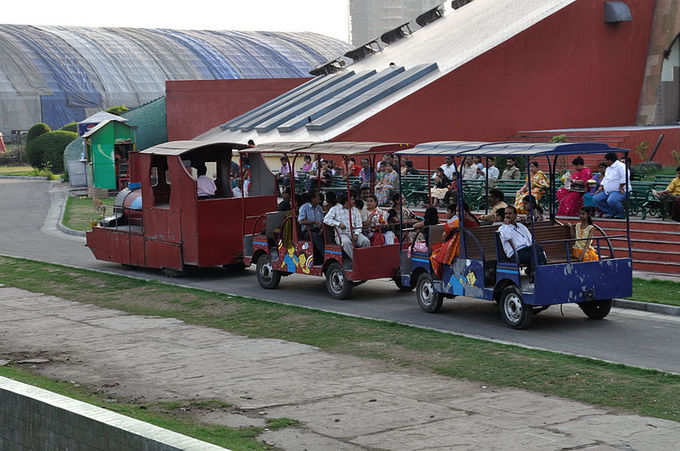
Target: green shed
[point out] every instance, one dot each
(108, 145)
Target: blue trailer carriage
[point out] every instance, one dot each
(483, 271)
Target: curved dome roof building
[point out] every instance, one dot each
(59, 74)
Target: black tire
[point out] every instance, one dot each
(596, 309)
(428, 298)
(514, 311)
(336, 283)
(267, 277)
(400, 286)
(172, 272)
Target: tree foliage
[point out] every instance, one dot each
(38, 129)
(47, 151)
(70, 127)
(117, 110)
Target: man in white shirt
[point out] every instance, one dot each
(610, 195)
(338, 217)
(493, 170)
(206, 185)
(516, 238)
(448, 168)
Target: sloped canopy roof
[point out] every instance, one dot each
(101, 125)
(462, 148)
(176, 148)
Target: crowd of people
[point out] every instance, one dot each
(356, 220)
(370, 215)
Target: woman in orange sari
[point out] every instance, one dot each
(443, 253)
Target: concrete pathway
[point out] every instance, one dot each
(344, 403)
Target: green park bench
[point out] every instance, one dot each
(652, 206)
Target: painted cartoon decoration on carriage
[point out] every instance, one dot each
(465, 278)
(295, 260)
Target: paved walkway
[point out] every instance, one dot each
(344, 403)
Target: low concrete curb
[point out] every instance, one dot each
(647, 307)
(60, 223)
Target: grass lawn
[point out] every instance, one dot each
(28, 171)
(657, 291)
(80, 212)
(635, 390)
(175, 416)
(16, 170)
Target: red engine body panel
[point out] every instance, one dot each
(178, 229)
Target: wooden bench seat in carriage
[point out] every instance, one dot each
(543, 232)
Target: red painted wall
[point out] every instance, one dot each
(571, 70)
(196, 106)
(625, 139)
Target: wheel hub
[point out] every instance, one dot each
(513, 308)
(427, 293)
(266, 271)
(337, 281)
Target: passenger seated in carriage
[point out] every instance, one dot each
(376, 223)
(443, 253)
(338, 217)
(310, 219)
(205, 185)
(583, 230)
(516, 238)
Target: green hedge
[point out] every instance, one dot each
(47, 151)
(70, 127)
(37, 130)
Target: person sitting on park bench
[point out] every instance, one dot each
(670, 197)
(516, 238)
(338, 217)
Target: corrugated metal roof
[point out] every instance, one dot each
(328, 148)
(421, 58)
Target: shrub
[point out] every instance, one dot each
(70, 127)
(37, 130)
(117, 110)
(47, 151)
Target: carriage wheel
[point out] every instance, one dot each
(596, 309)
(428, 298)
(514, 311)
(266, 275)
(336, 283)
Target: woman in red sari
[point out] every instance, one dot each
(443, 253)
(571, 197)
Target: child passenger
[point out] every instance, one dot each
(583, 249)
